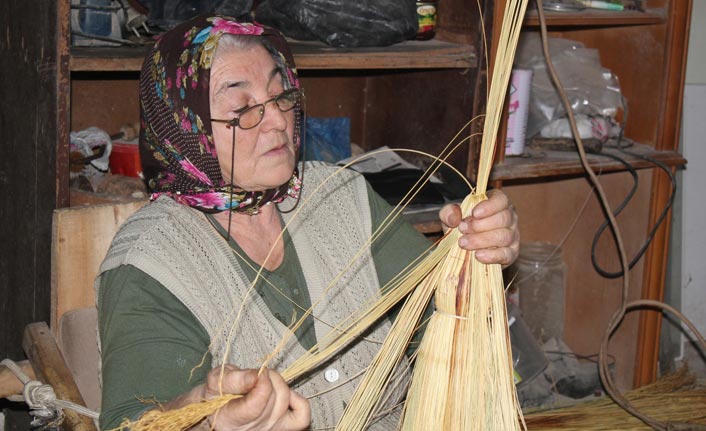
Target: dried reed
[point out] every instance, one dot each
(179, 419)
(675, 399)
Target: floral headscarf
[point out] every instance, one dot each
(176, 141)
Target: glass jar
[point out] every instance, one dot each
(539, 278)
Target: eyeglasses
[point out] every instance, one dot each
(251, 116)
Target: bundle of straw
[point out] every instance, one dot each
(675, 399)
(463, 374)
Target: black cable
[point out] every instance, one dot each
(621, 146)
(623, 204)
(658, 223)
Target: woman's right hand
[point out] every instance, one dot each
(267, 402)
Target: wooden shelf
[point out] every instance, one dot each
(594, 17)
(413, 54)
(546, 164)
(431, 54)
(105, 59)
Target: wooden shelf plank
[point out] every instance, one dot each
(411, 54)
(594, 17)
(107, 59)
(546, 164)
(431, 54)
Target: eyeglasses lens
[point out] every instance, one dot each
(252, 116)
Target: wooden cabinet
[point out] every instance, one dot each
(647, 51)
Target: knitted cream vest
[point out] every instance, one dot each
(178, 247)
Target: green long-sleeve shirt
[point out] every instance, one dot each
(151, 342)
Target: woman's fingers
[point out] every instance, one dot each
(491, 230)
(450, 216)
(253, 408)
(291, 410)
(299, 414)
(502, 255)
(495, 212)
(280, 397)
(232, 380)
(267, 404)
(497, 201)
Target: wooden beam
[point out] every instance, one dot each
(410, 54)
(668, 135)
(49, 367)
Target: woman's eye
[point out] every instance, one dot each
(241, 110)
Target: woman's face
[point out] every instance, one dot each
(265, 154)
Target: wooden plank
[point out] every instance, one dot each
(27, 165)
(668, 133)
(595, 17)
(80, 240)
(406, 55)
(112, 59)
(340, 94)
(108, 102)
(547, 164)
(63, 102)
(567, 210)
(420, 110)
(49, 367)
(460, 22)
(9, 383)
(308, 55)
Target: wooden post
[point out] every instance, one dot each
(49, 367)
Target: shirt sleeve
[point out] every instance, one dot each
(150, 344)
(398, 246)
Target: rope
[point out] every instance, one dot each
(41, 399)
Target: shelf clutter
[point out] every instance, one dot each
(538, 163)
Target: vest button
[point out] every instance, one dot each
(331, 375)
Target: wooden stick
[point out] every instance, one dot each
(50, 368)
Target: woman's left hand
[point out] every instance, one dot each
(491, 229)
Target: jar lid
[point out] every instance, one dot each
(540, 251)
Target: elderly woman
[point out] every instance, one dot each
(221, 129)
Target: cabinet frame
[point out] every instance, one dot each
(667, 21)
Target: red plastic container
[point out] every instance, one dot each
(125, 160)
